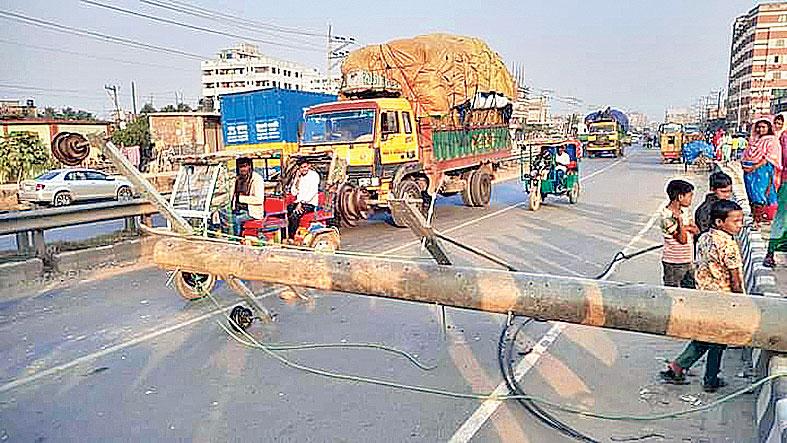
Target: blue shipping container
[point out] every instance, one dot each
(265, 116)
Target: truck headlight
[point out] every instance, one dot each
(375, 181)
(364, 182)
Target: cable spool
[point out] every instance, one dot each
(70, 148)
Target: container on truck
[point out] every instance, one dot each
(416, 117)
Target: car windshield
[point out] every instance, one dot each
(47, 175)
(343, 126)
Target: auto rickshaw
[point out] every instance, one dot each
(538, 173)
(671, 142)
(203, 188)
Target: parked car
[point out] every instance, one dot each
(61, 187)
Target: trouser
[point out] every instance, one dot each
(560, 176)
(694, 351)
(295, 218)
(233, 220)
(679, 275)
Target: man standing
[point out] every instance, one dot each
(306, 188)
(719, 269)
(721, 189)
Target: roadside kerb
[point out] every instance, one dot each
(15, 273)
(122, 252)
(771, 401)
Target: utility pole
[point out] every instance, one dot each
(112, 90)
(134, 98)
(336, 52)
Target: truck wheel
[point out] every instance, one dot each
(407, 189)
(573, 194)
(535, 196)
(481, 188)
(193, 286)
(467, 194)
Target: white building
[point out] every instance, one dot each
(244, 68)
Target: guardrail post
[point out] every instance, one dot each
(131, 225)
(39, 245)
(23, 245)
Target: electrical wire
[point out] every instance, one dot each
(193, 27)
(57, 27)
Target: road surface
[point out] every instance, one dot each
(122, 357)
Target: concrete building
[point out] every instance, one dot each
(682, 116)
(14, 108)
(758, 62)
(182, 133)
(244, 68)
(536, 110)
(637, 120)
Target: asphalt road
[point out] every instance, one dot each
(121, 357)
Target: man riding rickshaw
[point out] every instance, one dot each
(553, 169)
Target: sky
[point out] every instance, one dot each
(639, 55)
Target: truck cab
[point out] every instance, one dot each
(603, 136)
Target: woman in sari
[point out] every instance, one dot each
(762, 167)
(778, 239)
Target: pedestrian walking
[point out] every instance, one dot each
(778, 235)
(720, 185)
(678, 229)
(719, 269)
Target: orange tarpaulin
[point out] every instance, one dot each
(436, 72)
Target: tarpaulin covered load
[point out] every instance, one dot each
(437, 72)
(692, 151)
(607, 114)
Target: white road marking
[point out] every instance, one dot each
(135, 341)
(473, 424)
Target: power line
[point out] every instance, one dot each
(190, 26)
(250, 25)
(97, 57)
(95, 35)
(186, 8)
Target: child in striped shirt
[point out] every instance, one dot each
(678, 230)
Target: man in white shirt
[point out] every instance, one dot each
(248, 196)
(306, 189)
(562, 160)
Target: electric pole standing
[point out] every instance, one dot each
(134, 98)
(336, 53)
(113, 93)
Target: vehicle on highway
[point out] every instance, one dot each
(671, 142)
(203, 188)
(538, 171)
(62, 187)
(607, 132)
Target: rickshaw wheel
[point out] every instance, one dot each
(535, 196)
(241, 317)
(193, 286)
(325, 242)
(573, 194)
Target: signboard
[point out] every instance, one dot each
(237, 133)
(365, 80)
(268, 130)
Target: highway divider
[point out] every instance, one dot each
(771, 403)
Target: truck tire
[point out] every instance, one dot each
(481, 188)
(467, 194)
(407, 188)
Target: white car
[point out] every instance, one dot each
(61, 187)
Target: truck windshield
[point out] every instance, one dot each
(602, 128)
(341, 126)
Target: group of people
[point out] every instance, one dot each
(700, 252)
(248, 197)
(764, 170)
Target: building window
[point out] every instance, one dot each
(782, 18)
(780, 43)
(776, 59)
(296, 75)
(262, 69)
(777, 75)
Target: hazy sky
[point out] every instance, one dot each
(634, 54)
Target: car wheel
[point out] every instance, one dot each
(124, 193)
(62, 198)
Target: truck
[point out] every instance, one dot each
(266, 119)
(607, 132)
(415, 118)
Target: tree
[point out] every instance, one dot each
(183, 107)
(136, 133)
(67, 113)
(147, 109)
(169, 108)
(180, 107)
(22, 155)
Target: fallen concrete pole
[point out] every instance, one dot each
(708, 316)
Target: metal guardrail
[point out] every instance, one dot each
(41, 219)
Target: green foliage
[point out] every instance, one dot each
(136, 133)
(67, 113)
(147, 109)
(181, 107)
(22, 156)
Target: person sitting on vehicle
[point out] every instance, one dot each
(306, 189)
(248, 197)
(562, 160)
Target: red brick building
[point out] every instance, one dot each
(758, 62)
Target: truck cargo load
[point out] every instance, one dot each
(267, 118)
(607, 132)
(437, 73)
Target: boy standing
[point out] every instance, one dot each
(720, 268)
(721, 189)
(678, 230)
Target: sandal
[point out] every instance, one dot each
(769, 261)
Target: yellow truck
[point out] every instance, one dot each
(406, 127)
